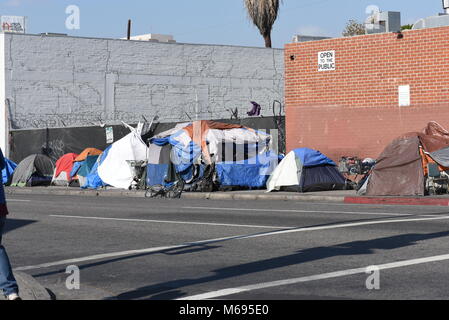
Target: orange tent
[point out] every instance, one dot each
(88, 152)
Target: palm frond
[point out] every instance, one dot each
(263, 13)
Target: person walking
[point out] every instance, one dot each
(7, 281)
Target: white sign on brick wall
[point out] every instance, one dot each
(404, 96)
(326, 61)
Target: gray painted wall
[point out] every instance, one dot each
(69, 82)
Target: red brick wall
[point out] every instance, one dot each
(354, 110)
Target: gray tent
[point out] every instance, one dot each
(34, 170)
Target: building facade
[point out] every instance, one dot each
(352, 96)
(70, 82)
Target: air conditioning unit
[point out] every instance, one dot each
(382, 22)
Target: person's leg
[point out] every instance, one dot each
(7, 281)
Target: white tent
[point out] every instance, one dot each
(287, 173)
(115, 170)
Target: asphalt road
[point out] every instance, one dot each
(136, 248)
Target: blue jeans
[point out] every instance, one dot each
(7, 281)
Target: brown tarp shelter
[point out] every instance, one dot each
(401, 168)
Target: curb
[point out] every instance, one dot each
(185, 195)
(29, 288)
(398, 201)
(92, 193)
(417, 201)
(266, 197)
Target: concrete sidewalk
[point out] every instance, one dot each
(337, 196)
(29, 288)
(328, 196)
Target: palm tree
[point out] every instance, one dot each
(263, 14)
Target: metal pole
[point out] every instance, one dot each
(129, 30)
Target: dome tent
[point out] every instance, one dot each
(82, 165)
(306, 170)
(64, 165)
(34, 170)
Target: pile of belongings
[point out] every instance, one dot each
(410, 164)
(355, 170)
(209, 155)
(34, 170)
(306, 170)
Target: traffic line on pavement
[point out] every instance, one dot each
(238, 237)
(323, 276)
(300, 211)
(17, 200)
(174, 222)
(123, 253)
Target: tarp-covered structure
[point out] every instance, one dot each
(86, 159)
(305, 170)
(93, 180)
(64, 165)
(250, 173)
(85, 169)
(401, 168)
(233, 150)
(34, 170)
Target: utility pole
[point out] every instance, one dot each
(129, 29)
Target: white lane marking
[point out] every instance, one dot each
(238, 237)
(171, 221)
(302, 211)
(16, 200)
(336, 274)
(122, 253)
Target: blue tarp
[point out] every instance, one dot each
(93, 180)
(160, 141)
(87, 166)
(252, 173)
(311, 158)
(76, 166)
(156, 174)
(7, 171)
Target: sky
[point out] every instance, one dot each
(206, 21)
